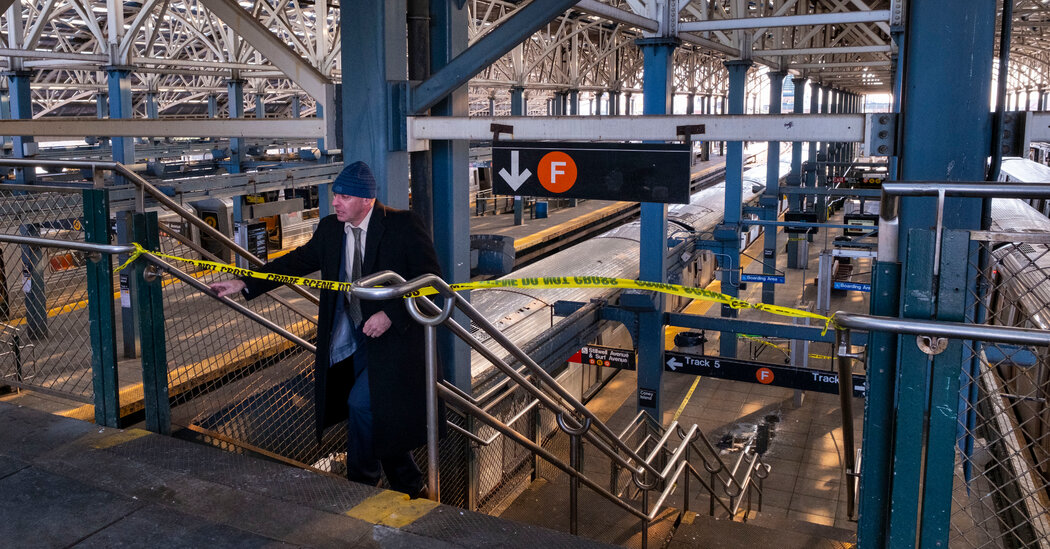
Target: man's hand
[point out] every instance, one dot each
(376, 325)
(227, 287)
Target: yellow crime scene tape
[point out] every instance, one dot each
(549, 282)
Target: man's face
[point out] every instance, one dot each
(351, 208)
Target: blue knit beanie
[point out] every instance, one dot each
(355, 180)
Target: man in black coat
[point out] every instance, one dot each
(370, 365)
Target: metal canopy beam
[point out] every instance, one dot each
(826, 51)
(594, 7)
(271, 47)
(784, 127)
(875, 16)
(299, 128)
(484, 52)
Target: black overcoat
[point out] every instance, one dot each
(396, 240)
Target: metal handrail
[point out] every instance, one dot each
(67, 244)
(951, 330)
(389, 285)
(114, 249)
(365, 289)
(158, 195)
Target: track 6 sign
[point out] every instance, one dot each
(635, 172)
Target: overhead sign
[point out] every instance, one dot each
(609, 357)
(775, 279)
(867, 224)
(804, 379)
(634, 172)
(805, 217)
(851, 286)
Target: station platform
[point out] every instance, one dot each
(804, 497)
(68, 483)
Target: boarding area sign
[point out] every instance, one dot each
(634, 172)
(805, 379)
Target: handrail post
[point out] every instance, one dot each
(149, 304)
(433, 456)
(100, 311)
(845, 367)
(574, 484)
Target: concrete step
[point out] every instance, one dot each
(546, 504)
(696, 531)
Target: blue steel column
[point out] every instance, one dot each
(598, 103)
(795, 203)
(771, 195)
(375, 51)
(517, 108)
(728, 233)
(448, 37)
(574, 102)
(5, 111)
(934, 104)
(21, 109)
(614, 103)
(658, 55)
(213, 105)
(260, 106)
(235, 106)
(119, 84)
(819, 180)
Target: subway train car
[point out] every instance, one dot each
(523, 314)
(1014, 383)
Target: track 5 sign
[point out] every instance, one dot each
(634, 172)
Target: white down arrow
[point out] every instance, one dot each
(515, 178)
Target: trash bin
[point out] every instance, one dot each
(541, 210)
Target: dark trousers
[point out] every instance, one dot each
(362, 465)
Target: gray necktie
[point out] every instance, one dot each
(355, 272)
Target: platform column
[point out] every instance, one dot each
(935, 105)
(574, 102)
(375, 50)
(614, 103)
(450, 162)
(728, 233)
(597, 103)
(771, 195)
(235, 108)
(795, 202)
(22, 146)
(517, 108)
(260, 105)
(657, 86)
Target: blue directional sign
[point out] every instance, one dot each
(853, 286)
(775, 279)
(805, 379)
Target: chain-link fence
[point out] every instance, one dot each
(45, 344)
(1002, 472)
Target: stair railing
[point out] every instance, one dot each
(573, 417)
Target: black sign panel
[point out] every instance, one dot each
(805, 379)
(610, 357)
(805, 217)
(634, 172)
(868, 224)
(646, 397)
(256, 238)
